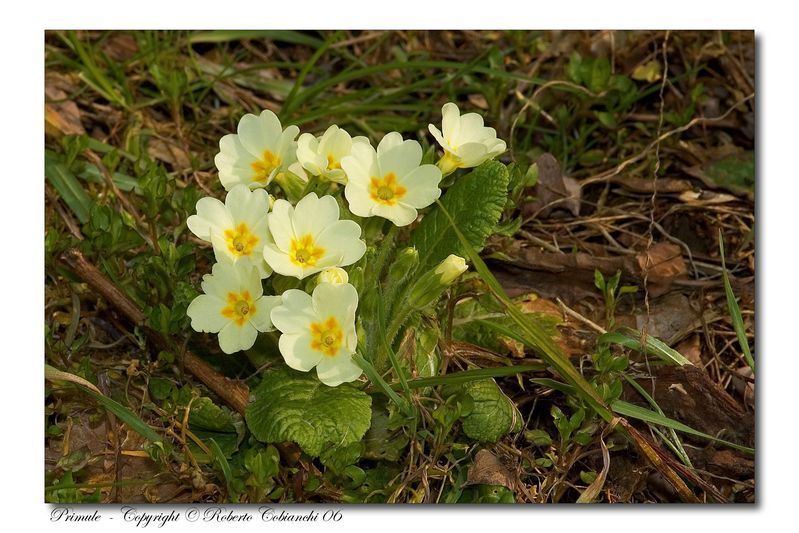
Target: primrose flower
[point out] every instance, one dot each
(466, 142)
(233, 306)
(260, 150)
(309, 237)
(389, 182)
(237, 229)
(319, 331)
(321, 156)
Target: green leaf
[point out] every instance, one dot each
(382, 441)
(475, 203)
(493, 415)
(735, 311)
(263, 463)
(68, 187)
(296, 406)
(600, 75)
(211, 422)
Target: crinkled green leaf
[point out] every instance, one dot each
(475, 203)
(296, 406)
(210, 421)
(493, 415)
(382, 442)
(337, 458)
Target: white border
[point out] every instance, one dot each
(22, 217)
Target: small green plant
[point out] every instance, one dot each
(612, 293)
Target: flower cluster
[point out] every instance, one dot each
(251, 243)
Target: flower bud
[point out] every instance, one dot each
(450, 268)
(433, 283)
(405, 263)
(335, 275)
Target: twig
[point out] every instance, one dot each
(574, 314)
(235, 393)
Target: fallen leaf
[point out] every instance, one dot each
(691, 348)
(478, 100)
(661, 265)
(61, 115)
(487, 469)
(168, 153)
(706, 198)
(553, 190)
(670, 316)
(120, 47)
(647, 186)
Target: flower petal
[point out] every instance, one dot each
(342, 240)
(211, 214)
(297, 352)
(234, 338)
(400, 159)
(295, 312)
(262, 320)
(258, 133)
(312, 214)
(450, 122)
(400, 214)
(339, 301)
(422, 186)
(280, 226)
(333, 371)
(205, 313)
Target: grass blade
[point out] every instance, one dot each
(286, 36)
(645, 415)
(466, 376)
(68, 187)
(735, 311)
(632, 339)
(120, 411)
(534, 336)
(219, 456)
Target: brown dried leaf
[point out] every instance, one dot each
(691, 348)
(669, 317)
(487, 469)
(661, 265)
(61, 116)
(647, 186)
(120, 47)
(553, 190)
(168, 153)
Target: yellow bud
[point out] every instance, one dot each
(450, 268)
(335, 275)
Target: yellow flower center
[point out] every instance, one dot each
(240, 307)
(327, 336)
(333, 163)
(240, 241)
(263, 168)
(385, 190)
(304, 252)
